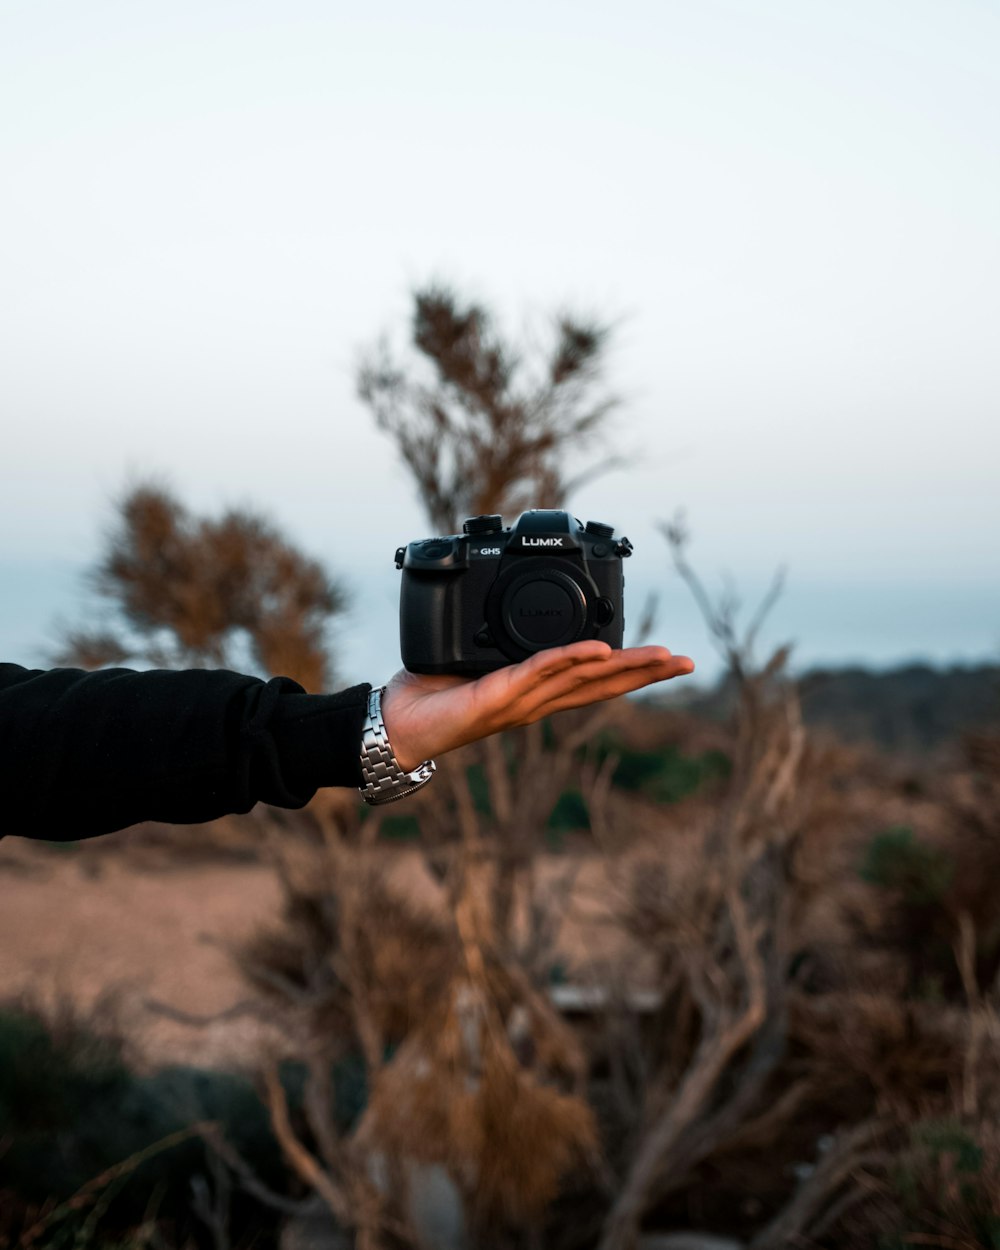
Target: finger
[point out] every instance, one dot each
(546, 664)
(633, 659)
(618, 673)
(602, 687)
(577, 662)
(504, 690)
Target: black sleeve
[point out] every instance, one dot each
(86, 753)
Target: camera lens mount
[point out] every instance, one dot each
(543, 608)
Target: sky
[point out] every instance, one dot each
(788, 211)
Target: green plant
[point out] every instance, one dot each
(945, 1180)
(666, 774)
(400, 829)
(896, 860)
(50, 1076)
(570, 812)
(90, 1144)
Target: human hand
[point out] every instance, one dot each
(428, 715)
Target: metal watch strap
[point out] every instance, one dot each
(384, 779)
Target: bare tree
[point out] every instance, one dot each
(489, 433)
(721, 938)
(484, 430)
(479, 428)
(181, 590)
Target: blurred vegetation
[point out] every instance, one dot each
(912, 709)
(482, 423)
(786, 1031)
(896, 860)
(666, 774)
(90, 1148)
(181, 591)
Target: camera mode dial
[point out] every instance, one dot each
(599, 529)
(487, 524)
(436, 548)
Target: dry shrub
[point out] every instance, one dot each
(468, 1066)
(800, 1052)
(944, 1187)
(895, 1052)
(320, 957)
(185, 591)
(478, 428)
(484, 1087)
(933, 1180)
(530, 1137)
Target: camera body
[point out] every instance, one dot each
(477, 601)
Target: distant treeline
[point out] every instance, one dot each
(912, 708)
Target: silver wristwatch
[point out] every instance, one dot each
(384, 780)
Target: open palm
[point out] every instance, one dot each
(428, 715)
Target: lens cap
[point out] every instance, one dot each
(544, 609)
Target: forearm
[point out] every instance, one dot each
(86, 753)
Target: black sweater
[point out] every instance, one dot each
(86, 753)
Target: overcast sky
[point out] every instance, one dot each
(789, 208)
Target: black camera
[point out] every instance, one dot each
(477, 601)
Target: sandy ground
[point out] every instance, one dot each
(105, 934)
(110, 932)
